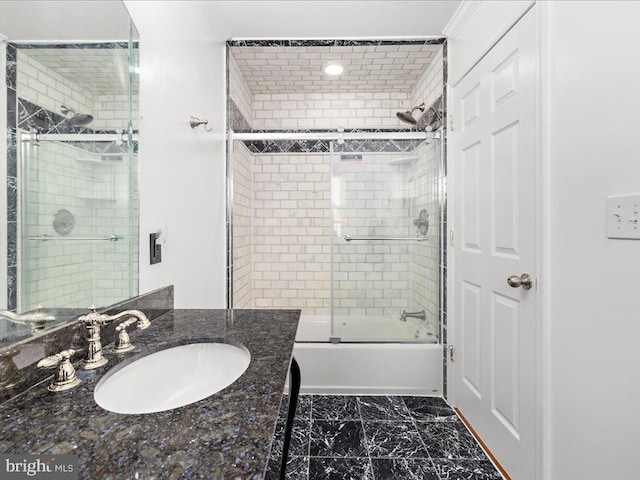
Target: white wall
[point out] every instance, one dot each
(182, 171)
(593, 152)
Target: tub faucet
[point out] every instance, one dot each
(422, 315)
(93, 321)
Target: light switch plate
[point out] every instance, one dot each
(623, 217)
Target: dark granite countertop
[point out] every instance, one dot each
(225, 436)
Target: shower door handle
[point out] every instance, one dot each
(525, 281)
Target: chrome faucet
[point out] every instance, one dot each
(37, 319)
(93, 321)
(422, 315)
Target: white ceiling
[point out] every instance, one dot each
(341, 19)
(389, 68)
(63, 20)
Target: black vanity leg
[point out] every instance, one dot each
(294, 389)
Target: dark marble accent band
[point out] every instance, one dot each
(224, 436)
(330, 43)
(18, 359)
(323, 146)
(11, 66)
(81, 46)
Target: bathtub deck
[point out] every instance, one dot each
(378, 438)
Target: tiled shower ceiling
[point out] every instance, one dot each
(100, 71)
(367, 68)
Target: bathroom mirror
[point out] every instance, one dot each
(69, 198)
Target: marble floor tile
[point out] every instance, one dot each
(430, 409)
(383, 408)
(297, 469)
(299, 444)
(335, 407)
(404, 469)
(303, 409)
(394, 439)
(340, 469)
(466, 469)
(449, 440)
(337, 438)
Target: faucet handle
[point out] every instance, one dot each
(65, 377)
(123, 342)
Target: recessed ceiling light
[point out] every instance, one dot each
(333, 68)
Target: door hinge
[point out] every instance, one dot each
(451, 238)
(450, 348)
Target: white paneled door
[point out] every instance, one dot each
(494, 168)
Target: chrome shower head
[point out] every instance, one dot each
(74, 118)
(407, 117)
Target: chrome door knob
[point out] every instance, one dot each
(525, 281)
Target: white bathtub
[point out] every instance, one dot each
(385, 368)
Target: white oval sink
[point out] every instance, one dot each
(172, 378)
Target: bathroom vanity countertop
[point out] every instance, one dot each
(225, 436)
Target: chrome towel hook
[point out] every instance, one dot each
(196, 122)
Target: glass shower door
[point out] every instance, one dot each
(385, 245)
(77, 235)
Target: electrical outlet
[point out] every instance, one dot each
(623, 217)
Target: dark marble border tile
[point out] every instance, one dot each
(11, 66)
(12, 153)
(340, 469)
(330, 43)
(12, 199)
(11, 108)
(76, 46)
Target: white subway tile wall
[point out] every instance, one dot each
(49, 89)
(239, 90)
(430, 85)
(96, 191)
(242, 227)
(292, 251)
(329, 110)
